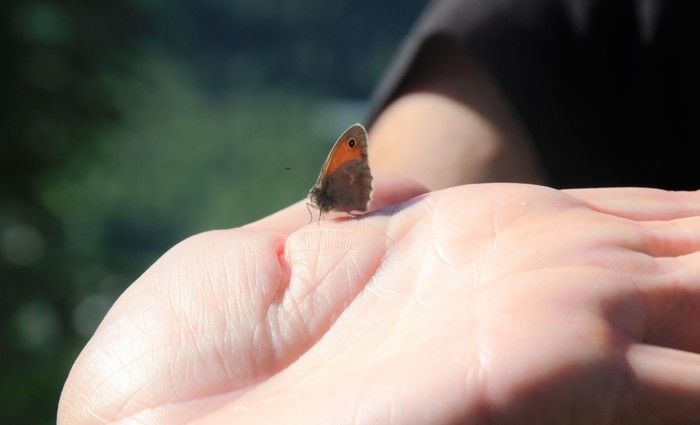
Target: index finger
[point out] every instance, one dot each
(387, 190)
(641, 204)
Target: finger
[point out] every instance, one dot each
(387, 190)
(666, 386)
(673, 237)
(673, 301)
(640, 203)
(286, 220)
(391, 189)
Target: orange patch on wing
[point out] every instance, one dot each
(342, 154)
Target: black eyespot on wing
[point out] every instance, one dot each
(351, 143)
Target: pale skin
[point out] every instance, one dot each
(497, 303)
(477, 304)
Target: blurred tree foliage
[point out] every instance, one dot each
(128, 125)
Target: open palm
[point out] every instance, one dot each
(495, 303)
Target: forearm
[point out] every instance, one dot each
(449, 125)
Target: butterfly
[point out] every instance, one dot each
(345, 181)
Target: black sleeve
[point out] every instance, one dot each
(602, 87)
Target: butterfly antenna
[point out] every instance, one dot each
(293, 171)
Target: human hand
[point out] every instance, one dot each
(492, 303)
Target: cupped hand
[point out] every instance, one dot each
(495, 303)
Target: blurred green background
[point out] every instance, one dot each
(129, 125)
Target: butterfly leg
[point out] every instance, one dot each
(353, 214)
(311, 216)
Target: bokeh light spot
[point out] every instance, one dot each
(44, 23)
(90, 313)
(21, 245)
(37, 325)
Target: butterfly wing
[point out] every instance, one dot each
(342, 152)
(345, 181)
(350, 186)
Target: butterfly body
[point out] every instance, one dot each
(345, 181)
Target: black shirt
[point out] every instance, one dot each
(602, 87)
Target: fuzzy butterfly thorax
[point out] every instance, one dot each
(345, 181)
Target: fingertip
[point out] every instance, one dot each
(667, 383)
(391, 189)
